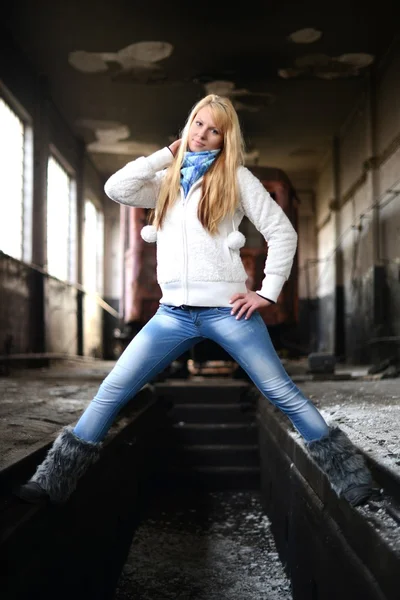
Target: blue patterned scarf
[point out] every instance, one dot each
(194, 165)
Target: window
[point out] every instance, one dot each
(61, 222)
(16, 182)
(93, 245)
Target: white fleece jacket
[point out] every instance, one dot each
(194, 267)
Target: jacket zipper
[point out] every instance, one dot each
(185, 258)
(184, 235)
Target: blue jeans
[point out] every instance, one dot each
(171, 332)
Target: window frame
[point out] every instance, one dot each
(100, 262)
(27, 172)
(73, 211)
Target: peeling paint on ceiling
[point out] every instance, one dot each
(328, 67)
(357, 60)
(308, 35)
(143, 65)
(227, 88)
(251, 158)
(112, 138)
(136, 60)
(224, 88)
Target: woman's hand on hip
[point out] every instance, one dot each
(246, 304)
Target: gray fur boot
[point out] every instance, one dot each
(57, 476)
(344, 466)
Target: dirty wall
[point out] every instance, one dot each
(358, 224)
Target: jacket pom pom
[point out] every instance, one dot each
(149, 233)
(235, 240)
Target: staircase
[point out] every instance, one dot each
(213, 442)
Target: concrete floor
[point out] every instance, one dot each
(216, 546)
(368, 411)
(36, 403)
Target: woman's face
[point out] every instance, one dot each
(203, 133)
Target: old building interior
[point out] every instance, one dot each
(85, 88)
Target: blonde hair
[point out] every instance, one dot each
(219, 186)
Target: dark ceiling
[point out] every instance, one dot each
(125, 74)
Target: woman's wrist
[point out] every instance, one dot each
(174, 147)
(268, 300)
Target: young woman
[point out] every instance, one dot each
(199, 191)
